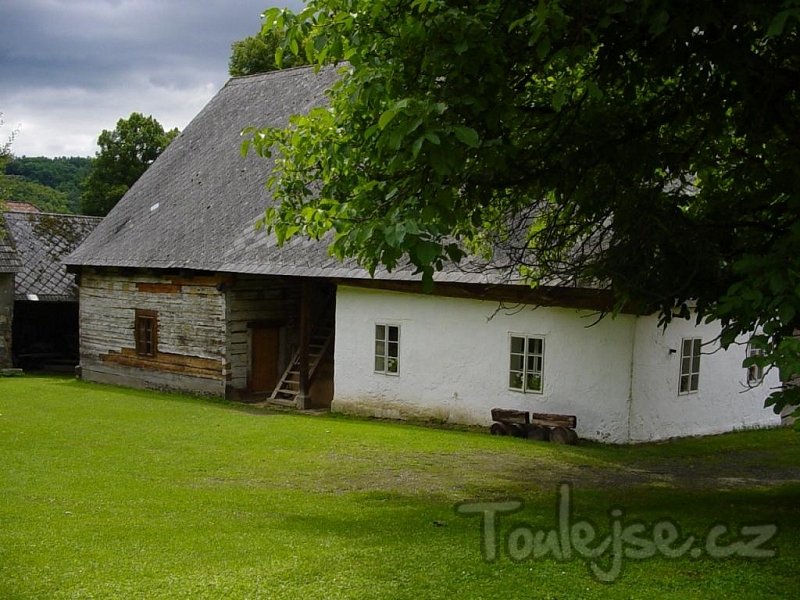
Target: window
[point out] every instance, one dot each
(755, 373)
(690, 365)
(387, 349)
(145, 331)
(527, 364)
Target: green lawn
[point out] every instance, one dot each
(113, 493)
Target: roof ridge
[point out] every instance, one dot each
(51, 214)
(274, 73)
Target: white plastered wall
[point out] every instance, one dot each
(454, 361)
(723, 401)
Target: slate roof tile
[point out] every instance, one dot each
(41, 241)
(196, 207)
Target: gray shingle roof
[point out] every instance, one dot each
(9, 261)
(197, 205)
(42, 240)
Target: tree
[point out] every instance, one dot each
(19, 189)
(5, 157)
(64, 174)
(266, 51)
(125, 153)
(5, 148)
(648, 147)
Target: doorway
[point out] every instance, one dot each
(265, 356)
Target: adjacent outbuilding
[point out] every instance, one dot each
(38, 297)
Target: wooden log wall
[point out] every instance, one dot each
(191, 311)
(6, 317)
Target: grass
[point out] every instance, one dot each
(114, 493)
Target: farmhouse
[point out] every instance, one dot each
(38, 297)
(179, 290)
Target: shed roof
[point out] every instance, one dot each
(9, 261)
(197, 205)
(42, 240)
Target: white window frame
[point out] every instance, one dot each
(528, 366)
(689, 373)
(382, 356)
(755, 373)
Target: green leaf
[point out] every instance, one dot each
(543, 47)
(426, 251)
(395, 235)
(778, 24)
(387, 117)
(558, 100)
(417, 146)
(659, 24)
(468, 136)
(786, 313)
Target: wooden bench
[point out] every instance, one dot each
(559, 429)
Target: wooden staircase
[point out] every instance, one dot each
(320, 343)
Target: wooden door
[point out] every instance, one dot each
(264, 364)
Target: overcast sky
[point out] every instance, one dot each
(71, 68)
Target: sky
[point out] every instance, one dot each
(71, 68)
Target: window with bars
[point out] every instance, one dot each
(690, 365)
(755, 373)
(145, 332)
(526, 367)
(387, 349)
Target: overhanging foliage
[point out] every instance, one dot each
(651, 147)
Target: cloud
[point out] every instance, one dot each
(70, 68)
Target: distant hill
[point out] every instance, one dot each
(62, 175)
(14, 188)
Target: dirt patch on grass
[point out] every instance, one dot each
(482, 474)
(730, 470)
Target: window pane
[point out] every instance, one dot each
(516, 362)
(534, 382)
(517, 345)
(696, 364)
(387, 348)
(515, 380)
(697, 343)
(145, 335)
(534, 346)
(695, 383)
(686, 363)
(684, 383)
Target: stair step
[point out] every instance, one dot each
(287, 392)
(281, 402)
(320, 342)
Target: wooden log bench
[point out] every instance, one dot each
(556, 428)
